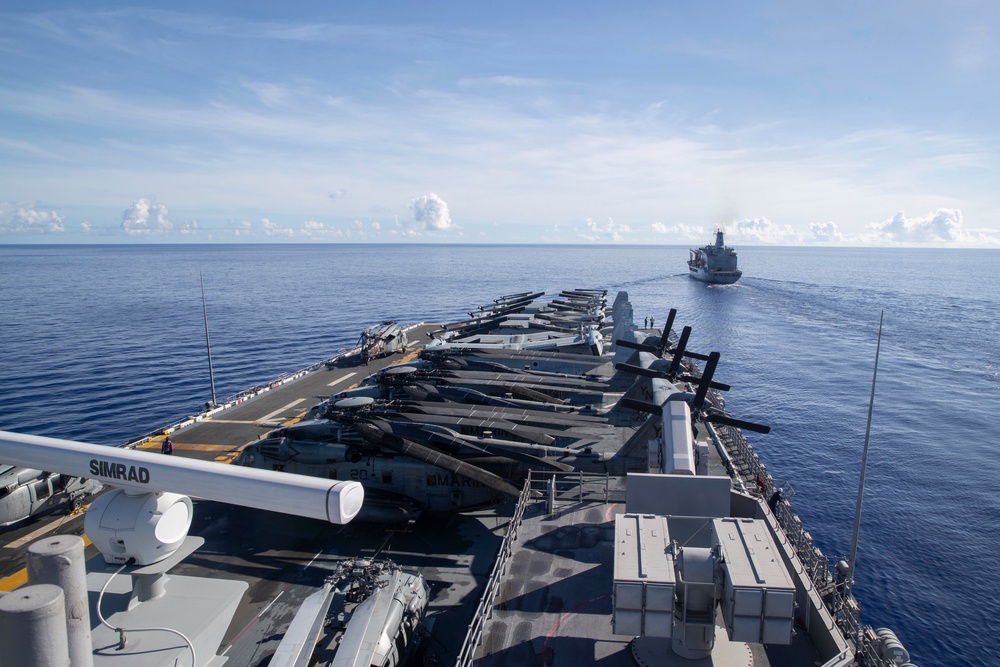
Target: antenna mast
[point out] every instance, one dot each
(864, 462)
(208, 343)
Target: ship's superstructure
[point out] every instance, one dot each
(714, 263)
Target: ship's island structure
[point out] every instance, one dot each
(714, 263)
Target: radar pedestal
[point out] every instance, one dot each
(140, 598)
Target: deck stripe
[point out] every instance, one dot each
(341, 379)
(213, 420)
(19, 578)
(30, 537)
(280, 410)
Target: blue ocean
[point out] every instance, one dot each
(105, 343)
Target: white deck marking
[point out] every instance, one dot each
(18, 543)
(269, 606)
(280, 410)
(341, 379)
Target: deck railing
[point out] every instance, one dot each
(743, 463)
(484, 610)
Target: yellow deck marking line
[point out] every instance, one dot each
(202, 447)
(293, 420)
(340, 379)
(19, 578)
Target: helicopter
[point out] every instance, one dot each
(26, 492)
(447, 433)
(461, 427)
(381, 340)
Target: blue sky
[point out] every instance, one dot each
(527, 122)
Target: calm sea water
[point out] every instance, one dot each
(104, 343)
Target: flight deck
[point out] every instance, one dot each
(285, 558)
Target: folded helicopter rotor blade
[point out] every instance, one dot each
(373, 431)
(642, 347)
(675, 365)
(738, 423)
(640, 370)
(665, 336)
(706, 382)
(641, 406)
(695, 355)
(721, 386)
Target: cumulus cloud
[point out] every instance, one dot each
(944, 225)
(242, 228)
(337, 194)
(431, 212)
(825, 232)
(191, 227)
(609, 231)
(680, 232)
(146, 216)
(361, 229)
(29, 220)
(85, 227)
(315, 229)
(762, 230)
(275, 230)
(402, 228)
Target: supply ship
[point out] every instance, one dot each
(714, 263)
(543, 483)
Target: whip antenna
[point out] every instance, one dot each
(864, 462)
(208, 343)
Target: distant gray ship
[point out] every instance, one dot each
(714, 263)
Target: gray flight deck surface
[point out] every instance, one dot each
(284, 558)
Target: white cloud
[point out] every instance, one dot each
(146, 216)
(339, 193)
(609, 231)
(431, 212)
(825, 232)
(189, 227)
(762, 230)
(680, 232)
(242, 228)
(314, 229)
(29, 220)
(272, 229)
(944, 225)
(85, 227)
